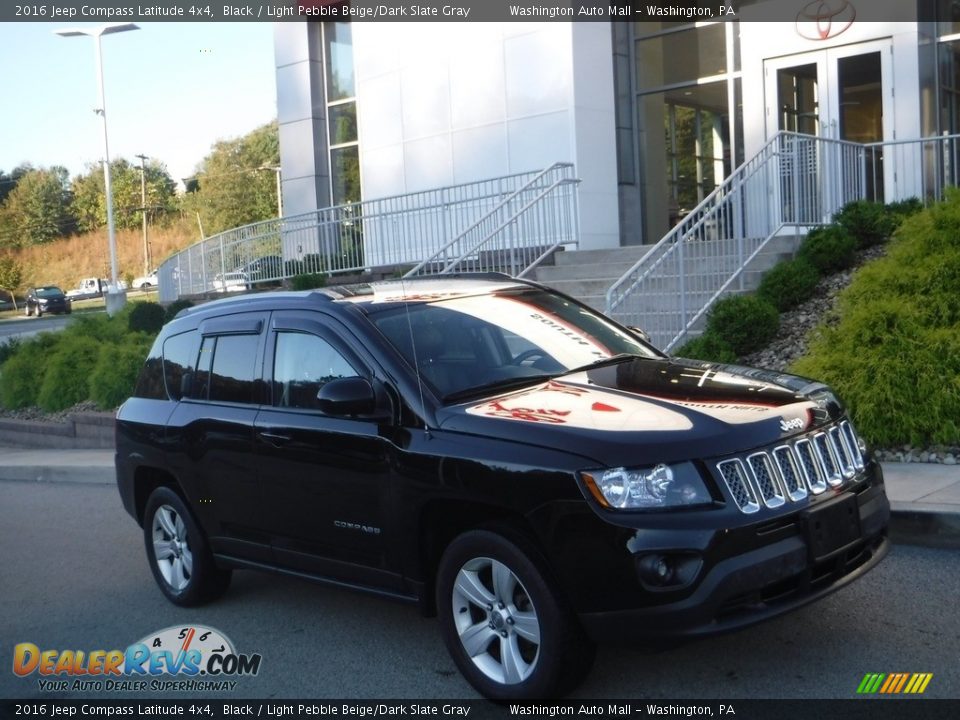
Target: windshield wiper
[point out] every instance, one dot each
(491, 387)
(601, 362)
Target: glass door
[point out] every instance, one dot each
(841, 94)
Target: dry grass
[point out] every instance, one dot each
(65, 262)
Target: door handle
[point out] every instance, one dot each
(275, 439)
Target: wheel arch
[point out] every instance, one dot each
(147, 479)
(443, 520)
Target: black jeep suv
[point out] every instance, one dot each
(512, 460)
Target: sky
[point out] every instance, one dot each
(172, 90)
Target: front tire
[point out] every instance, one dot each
(503, 622)
(177, 552)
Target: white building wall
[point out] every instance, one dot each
(441, 104)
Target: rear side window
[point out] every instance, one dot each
(226, 369)
(179, 355)
(150, 380)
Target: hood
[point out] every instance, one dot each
(649, 410)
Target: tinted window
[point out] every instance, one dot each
(234, 363)
(150, 382)
(302, 365)
(179, 355)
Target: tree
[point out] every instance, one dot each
(232, 189)
(89, 198)
(38, 208)
(9, 182)
(11, 275)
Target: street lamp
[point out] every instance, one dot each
(143, 210)
(115, 297)
(276, 169)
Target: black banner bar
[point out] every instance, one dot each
(866, 708)
(101, 11)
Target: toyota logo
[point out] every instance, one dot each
(825, 19)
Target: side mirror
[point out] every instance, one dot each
(347, 396)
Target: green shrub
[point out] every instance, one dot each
(175, 307)
(99, 326)
(829, 249)
(67, 379)
(869, 223)
(308, 281)
(146, 317)
(789, 283)
(708, 347)
(115, 374)
(745, 322)
(905, 208)
(894, 354)
(22, 374)
(9, 348)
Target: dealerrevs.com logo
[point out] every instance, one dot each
(193, 658)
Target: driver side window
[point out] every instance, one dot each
(302, 364)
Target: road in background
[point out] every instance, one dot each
(74, 575)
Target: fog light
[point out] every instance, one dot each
(655, 570)
(668, 571)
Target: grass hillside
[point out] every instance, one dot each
(65, 262)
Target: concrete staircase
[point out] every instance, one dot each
(587, 274)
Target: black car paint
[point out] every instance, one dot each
(414, 473)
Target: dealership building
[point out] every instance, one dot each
(653, 115)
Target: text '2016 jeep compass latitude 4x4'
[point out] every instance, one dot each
(505, 456)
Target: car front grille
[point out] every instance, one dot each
(794, 470)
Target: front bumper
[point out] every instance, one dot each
(757, 583)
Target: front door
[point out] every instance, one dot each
(838, 94)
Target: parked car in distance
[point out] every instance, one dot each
(513, 461)
(145, 282)
(88, 288)
(268, 267)
(46, 299)
(231, 282)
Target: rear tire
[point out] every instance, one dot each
(178, 554)
(503, 622)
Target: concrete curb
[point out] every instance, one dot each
(57, 474)
(927, 527)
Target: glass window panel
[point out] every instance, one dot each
(231, 378)
(339, 56)
(302, 365)
(179, 355)
(682, 56)
(345, 167)
(948, 17)
(343, 123)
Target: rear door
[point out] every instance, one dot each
(210, 434)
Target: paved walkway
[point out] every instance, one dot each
(924, 497)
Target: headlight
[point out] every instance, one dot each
(645, 488)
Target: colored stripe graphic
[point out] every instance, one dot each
(894, 683)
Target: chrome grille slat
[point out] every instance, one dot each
(827, 460)
(765, 479)
(793, 470)
(735, 477)
(842, 452)
(790, 473)
(850, 435)
(812, 470)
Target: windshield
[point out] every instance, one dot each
(501, 340)
(49, 292)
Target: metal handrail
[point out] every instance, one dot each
(385, 234)
(794, 182)
(442, 252)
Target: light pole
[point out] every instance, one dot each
(115, 296)
(276, 169)
(143, 210)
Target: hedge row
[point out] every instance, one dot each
(738, 325)
(95, 358)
